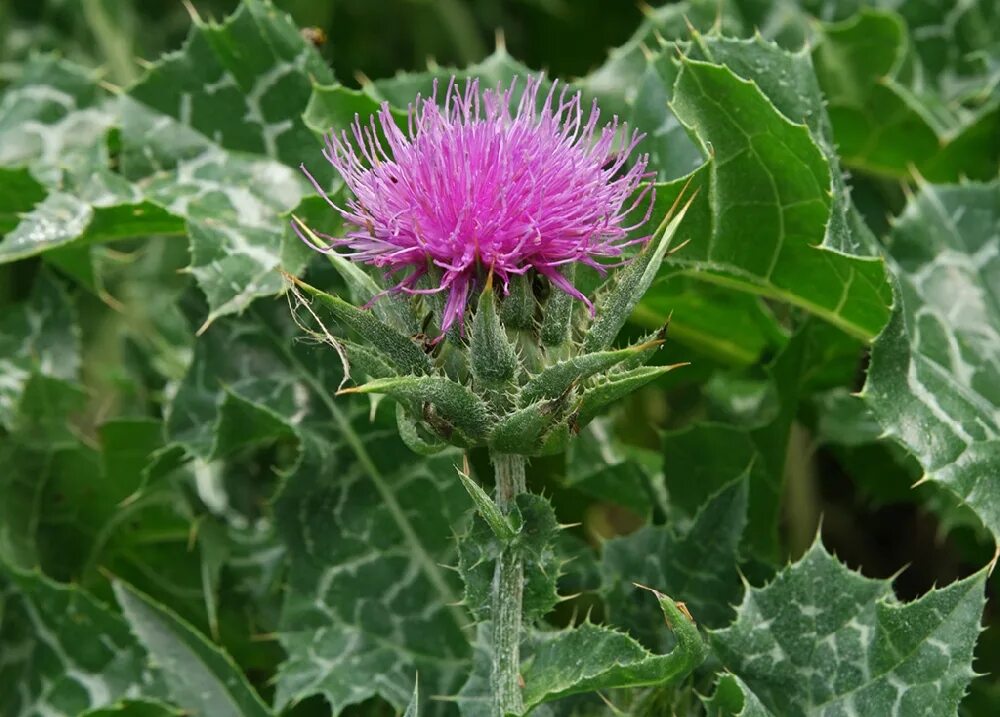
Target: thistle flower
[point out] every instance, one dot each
(480, 185)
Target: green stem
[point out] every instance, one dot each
(508, 589)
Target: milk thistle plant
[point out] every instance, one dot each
(334, 398)
(479, 215)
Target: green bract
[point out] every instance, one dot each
(514, 384)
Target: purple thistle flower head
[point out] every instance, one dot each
(479, 184)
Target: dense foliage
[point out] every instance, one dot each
(193, 522)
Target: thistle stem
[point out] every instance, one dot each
(508, 589)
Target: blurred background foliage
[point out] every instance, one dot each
(373, 38)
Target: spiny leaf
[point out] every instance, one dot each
(134, 708)
(64, 652)
(356, 509)
(413, 709)
(788, 79)
(821, 639)
(333, 108)
(368, 530)
(229, 76)
(699, 562)
(21, 193)
(200, 151)
(38, 336)
(765, 241)
(732, 698)
(888, 124)
(935, 368)
(486, 508)
(534, 541)
(694, 468)
(601, 465)
(589, 658)
(200, 677)
(366, 362)
(498, 68)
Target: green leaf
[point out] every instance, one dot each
(487, 509)
(333, 108)
(132, 708)
(64, 502)
(62, 221)
(236, 373)
(366, 362)
(635, 83)
(695, 467)
(697, 563)
(206, 146)
(200, 677)
(51, 116)
(764, 205)
(535, 541)
(47, 406)
(588, 658)
(368, 601)
(788, 80)
(600, 465)
(401, 89)
(415, 436)
(933, 379)
(232, 203)
(64, 652)
(732, 697)
(731, 327)
(413, 709)
(821, 639)
(235, 82)
(844, 419)
(366, 527)
(887, 123)
(21, 193)
(54, 121)
(38, 336)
